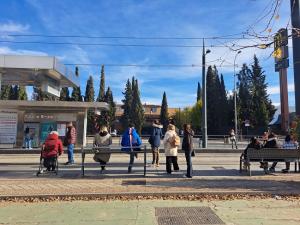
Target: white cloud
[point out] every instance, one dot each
(273, 90)
(9, 51)
(12, 27)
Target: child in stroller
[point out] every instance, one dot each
(51, 149)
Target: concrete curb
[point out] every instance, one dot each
(76, 151)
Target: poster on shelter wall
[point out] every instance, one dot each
(34, 133)
(46, 128)
(61, 129)
(8, 127)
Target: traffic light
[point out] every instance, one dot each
(281, 53)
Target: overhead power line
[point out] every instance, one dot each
(226, 37)
(141, 65)
(111, 44)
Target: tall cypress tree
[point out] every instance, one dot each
(89, 97)
(137, 107)
(112, 106)
(164, 115)
(89, 90)
(127, 103)
(64, 94)
(76, 94)
(13, 92)
(199, 92)
(101, 95)
(212, 91)
(4, 92)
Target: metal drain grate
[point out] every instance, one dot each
(186, 216)
(133, 182)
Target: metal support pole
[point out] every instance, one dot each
(235, 109)
(204, 118)
(284, 102)
(145, 160)
(295, 19)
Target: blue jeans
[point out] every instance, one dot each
(188, 157)
(27, 142)
(71, 153)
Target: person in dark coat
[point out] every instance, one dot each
(130, 142)
(254, 144)
(271, 143)
(187, 146)
(154, 140)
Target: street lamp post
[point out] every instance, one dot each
(204, 117)
(235, 110)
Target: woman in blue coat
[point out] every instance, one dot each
(154, 141)
(131, 142)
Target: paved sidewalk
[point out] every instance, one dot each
(214, 173)
(235, 212)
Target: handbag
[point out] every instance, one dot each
(150, 140)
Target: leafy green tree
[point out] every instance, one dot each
(22, 94)
(199, 92)
(137, 108)
(196, 116)
(64, 94)
(127, 103)
(39, 95)
(262, 110)
(101, 95)
(5, 92)
(76, 94)
(164, 115)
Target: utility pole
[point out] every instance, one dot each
(234, 87)
(295, 19)
(204, 116)
(281, 65)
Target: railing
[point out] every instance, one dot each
(110, 150)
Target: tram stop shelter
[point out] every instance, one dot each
(48, 73)
(41, 117)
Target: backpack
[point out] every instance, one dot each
(176, 141)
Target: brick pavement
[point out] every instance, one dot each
(212, 175)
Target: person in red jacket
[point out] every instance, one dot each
(51, 149)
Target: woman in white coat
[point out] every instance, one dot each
(170, 145)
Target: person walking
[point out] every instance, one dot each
(70, 141)
(51, 149)
(131, 143)
(171, 142)
(187, 146)
(102, 139)
(232, 138)
(288, 144)
(154, 141)
(271, 143)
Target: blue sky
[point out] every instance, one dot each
(149, 18)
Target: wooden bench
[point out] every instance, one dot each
(270, 155)
(111, 150)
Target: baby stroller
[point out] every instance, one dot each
(48, 165)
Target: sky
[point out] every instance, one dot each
(144, 19)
